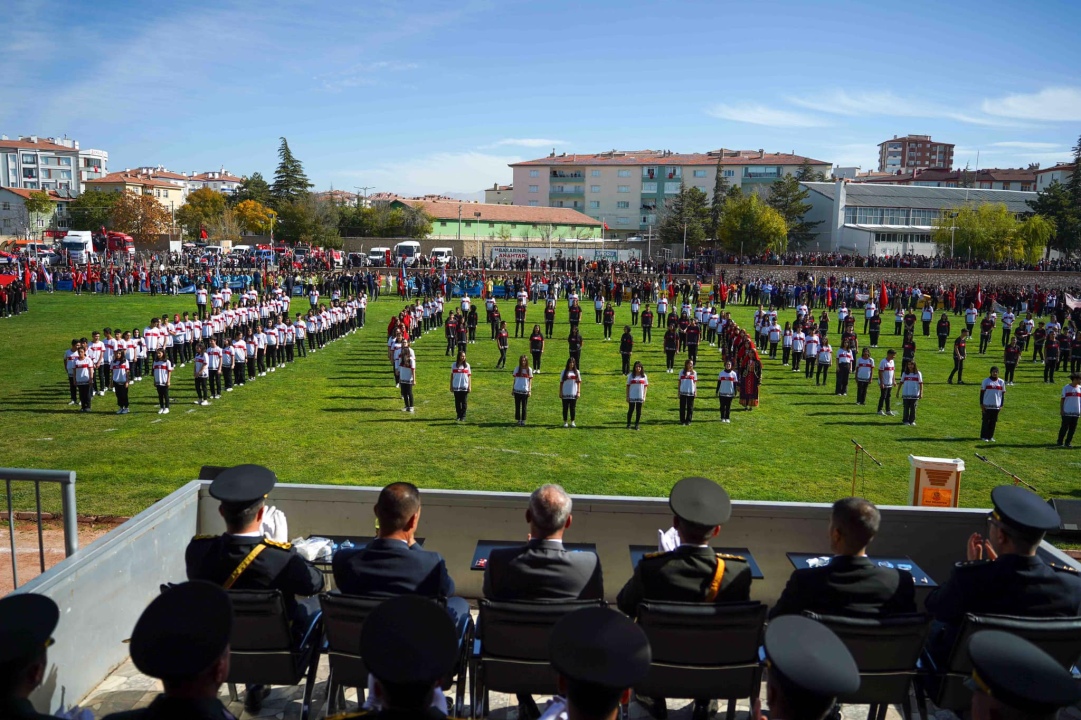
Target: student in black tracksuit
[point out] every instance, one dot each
(609, 319)
(647, 325)
(671, 346)
(943, 331)
(626, 346)
(574, 346)
(549, 318)
(536, 347)
(502, 342)
(959, 358)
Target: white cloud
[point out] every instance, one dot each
(756, 114)
(362, 74)
(1025, 145)
(527, 142)
(888, 104)
(1056, 104)
(445, 172)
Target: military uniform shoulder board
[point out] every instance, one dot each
(732, 557)
(654, 554)
(275, 543)
(205, 537)
(1064, 568)
(971, 563)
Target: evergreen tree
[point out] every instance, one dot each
(788, 198)
(687, 214)
(807, 173)
(290, 182)
(716, 204)
(254, 188)
(1054, 203)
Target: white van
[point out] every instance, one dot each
(441, 256)
(378, 255)
(79, 244)
(241, 249)
(407, 251)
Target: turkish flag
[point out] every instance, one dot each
(979, 296)
(883, 297)
(202, 233)
(829, 292)
(605, 225)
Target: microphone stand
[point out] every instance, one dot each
(856, 460)
(1016, 480)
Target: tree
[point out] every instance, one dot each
(685, 216)
(310, 220)
(991, 232)
(254, 217)
(39, 206)
(226, 228)
(290, 182)
(253, 188)
(716, 203)
(1053, 203)
(1034, 234)
(140, 216)
(92, 210)
(807, 173)
(750, 226)
(203, 208)
(787, 197)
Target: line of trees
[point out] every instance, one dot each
(1060, 204)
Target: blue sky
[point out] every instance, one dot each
(423, 96)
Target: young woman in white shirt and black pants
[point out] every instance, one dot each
(461, 383)
(637, 382)
(570, 388)
(688, 389)
(727, 385)
(522, 389)
(911, 390)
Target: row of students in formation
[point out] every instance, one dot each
(222, 358)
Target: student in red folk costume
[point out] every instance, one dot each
(751, 380)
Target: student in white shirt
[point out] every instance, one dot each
(727, 385)
(786, 343)
(910, 390)
(688, 389)
(407, 374)
(83, 368)
(799, 341)
(70, 355)
(992, 396)
(522, 389)
(163, 378)
(637, 382)
(460, 385)
(214, 358)
(1070, 409)
(228, 361)
(845, 359)
(202, 375)
(121, 375)
(825, 360)
(570, 388)
(886, 370)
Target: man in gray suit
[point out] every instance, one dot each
(542, 569)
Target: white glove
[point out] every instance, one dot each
(667, 540)
(275, 526)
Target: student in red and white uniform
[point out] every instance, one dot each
(637, 382)
(270, 331)
(240, 358)
(202, 374)
(141, 349)
(288, 331)
(228, 361)
(200, 300)
(301, 330)
(163, 378)
(121, 377)
(825, 360)
(1070, 410)
(260, 349)
(727, 386)
(83, 368)
(786, 343)
(96, 352)
(992, 397)
(688, 390)
(394, 352)
(886, 370)
(70, 355)
(522, 389)
(214, 358)
(845, 360)
(799, 342)
(910, 390)
(461, 382)
(570, 389)
(407, 374)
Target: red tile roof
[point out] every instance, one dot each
(25, 194)
(448, 210)
(942, 175)
(1061, 167)
(39, 145)
(662, 157)
(221, 177)
(129, 178)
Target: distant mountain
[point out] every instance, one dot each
(467, 197)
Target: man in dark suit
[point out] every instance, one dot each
(243, 559)
(27, 622)
(1003, 574)
(850, 585)
(693, 572)
(394, 563)
(542, 569)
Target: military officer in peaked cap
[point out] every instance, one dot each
(244, 559)
(27, 623)
(1012, 678)
(1002, 574)
(182, 638)
(598, 655)
(693, 572)
(409, 644)
(808, 667)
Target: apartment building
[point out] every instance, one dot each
(499, 195)
(219, 180)
(1058, 173)
(33, 163)
(913, 151)
(15, 221)
(163, 174)
(986, 179)
(171, 196)
(93, 164)
(626, 189)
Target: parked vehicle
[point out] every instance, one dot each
(79, 244)
(378, 256)
(441, 255)
(407, 252)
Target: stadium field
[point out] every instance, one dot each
(335, 417)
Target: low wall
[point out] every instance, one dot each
(908, 276)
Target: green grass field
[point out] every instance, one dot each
(335, 418)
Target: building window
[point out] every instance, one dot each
(729, 173)
(30, 173)
(30, 159)
(622, 221)
(534, 188)
(649, 187)
(649, 173)
(65, 161)
(534, 173)
(673, 171)
(442, 223)
(622, 204)
(623, 188)
(671, 188)
(532, 203)
(595, 173)
(594, 188)
(624, 173)
(30, 185)
(594, 204)
(699, 173)
(6, 206)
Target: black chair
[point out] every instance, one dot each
(703, 650)
(511, 651)
(343, 618)
(1058, 637)
(887, 653)
(263, 651)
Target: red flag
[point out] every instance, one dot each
(605, 225)
(401, 280)
(883, 297)
(528, 281)
(979, 296)
(829, 292)
(483, 284)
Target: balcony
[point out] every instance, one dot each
(560, 175)
(770, 176)
(566, 190)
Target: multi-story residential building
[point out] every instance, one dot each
(219, 180)
(1059, 173)
(626, 190)
(987, 179)
(160, 172)
(913, 151)
(15, 221)
(339, 197)
(34, 163)
(93, 164)
(171, 196)
(499, 194)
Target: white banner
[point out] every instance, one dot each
(510, 253)
(1072, 302)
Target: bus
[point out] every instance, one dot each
(407, 252)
